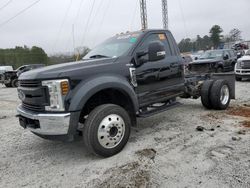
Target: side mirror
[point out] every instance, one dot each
(156, 51)
(139, 61)
(196, 58)
(239, 55)
(226, 57)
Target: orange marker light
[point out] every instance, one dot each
(64, 87)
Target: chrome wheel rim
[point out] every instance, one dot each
(224, 96)
(111, 131)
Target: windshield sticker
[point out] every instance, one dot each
(162, 36)
(133, 40)
(123, 37)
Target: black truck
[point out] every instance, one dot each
(10, 78)
(215, 61)
(129, 76)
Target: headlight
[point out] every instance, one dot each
(240, 64)
(58, 89)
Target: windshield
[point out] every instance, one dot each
(114, 47)
(211, 55)
(248, 53)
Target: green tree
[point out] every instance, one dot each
(215, 35)
(19, 56)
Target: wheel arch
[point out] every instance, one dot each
(93, 89)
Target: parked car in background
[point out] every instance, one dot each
(242, 67)
(196, 55)
(10, 78)
(215, 61)
(187, 60)
(4, 69)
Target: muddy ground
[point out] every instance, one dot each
(165, 150)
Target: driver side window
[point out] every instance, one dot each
(160, 37)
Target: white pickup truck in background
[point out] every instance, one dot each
(242, 67)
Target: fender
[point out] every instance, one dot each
(220, 64)
(88, 88)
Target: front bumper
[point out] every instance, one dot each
(46, 124)
(242, 72)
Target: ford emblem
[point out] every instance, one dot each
(21, 95)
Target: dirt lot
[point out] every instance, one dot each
(164, 151)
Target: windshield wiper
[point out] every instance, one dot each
(98, 56)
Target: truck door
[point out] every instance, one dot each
(158, 81)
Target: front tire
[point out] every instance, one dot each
(14, 83)
(107, 130)
(220, 95)
(219, 70)
(8, 85)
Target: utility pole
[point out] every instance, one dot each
(165, 14)
(144, 19)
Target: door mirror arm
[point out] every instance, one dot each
(139, 60)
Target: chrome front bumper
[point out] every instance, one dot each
(242, 72)
(49, 124)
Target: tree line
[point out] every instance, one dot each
(214, 39)
(19, 56)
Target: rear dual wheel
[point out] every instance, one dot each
(107, 130)
(216, 94)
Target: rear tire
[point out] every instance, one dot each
(107, 130)
(205, 94)
(220, 95)
(14, 83)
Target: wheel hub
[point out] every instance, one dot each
(111, 131)
(224, 97)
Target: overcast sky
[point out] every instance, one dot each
(49, 23)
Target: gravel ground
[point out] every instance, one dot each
(164, 151)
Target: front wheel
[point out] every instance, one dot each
(7, 85)
(14, 83)
(107, 130)
(219, 70)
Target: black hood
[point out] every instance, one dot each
(207, 61)
(65, 70)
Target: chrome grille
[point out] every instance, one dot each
(246, 65)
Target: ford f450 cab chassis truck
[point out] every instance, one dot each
(129, 76)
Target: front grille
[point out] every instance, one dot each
(246, 65)
(33, 107)
(30, 83)
(35, 95)
(200, 68)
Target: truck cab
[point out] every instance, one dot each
(130, 75)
